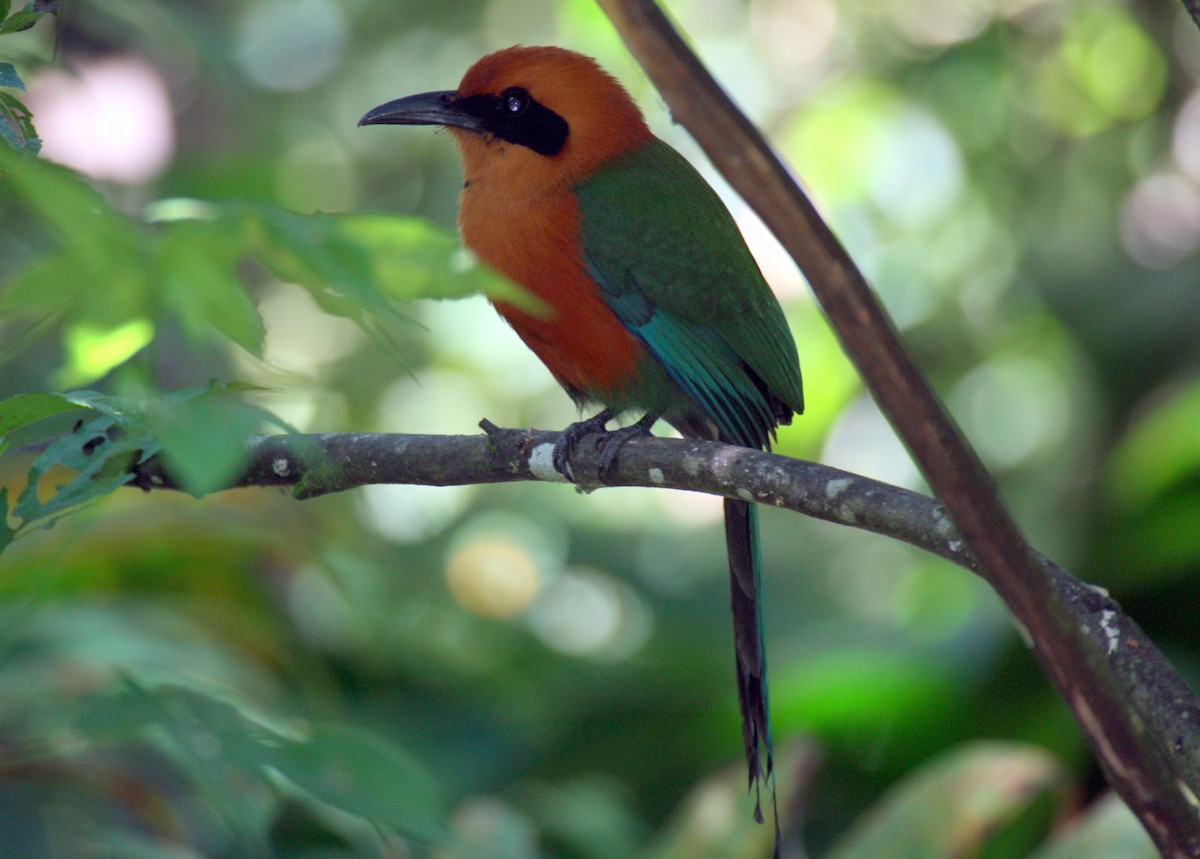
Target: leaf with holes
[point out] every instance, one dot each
(16, 126)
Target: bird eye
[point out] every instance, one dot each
(513, 101)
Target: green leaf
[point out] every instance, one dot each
(22, 20)
(8, 74)
(101, 452)
(358, 262)
(46, 287)
(98, 245)
(1152, 478)
(197, 263)
(362, 775)
(119, 408)
(695, 831)
(23, 337)
(222, 745)
(415, 259)
(210, 740)
(361, 266)
(1159, 540)
(28, 16)
(213, 389)
(136, 845)
(958, 805)
(204, 440)
(24, 409)
(307, 249)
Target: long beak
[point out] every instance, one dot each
(427, 108)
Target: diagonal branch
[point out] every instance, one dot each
(1143, 761)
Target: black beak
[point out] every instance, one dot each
(427, 108)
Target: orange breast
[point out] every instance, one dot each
(535, 241)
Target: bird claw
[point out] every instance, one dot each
(564, 448)
(609, 443)
(612, 442)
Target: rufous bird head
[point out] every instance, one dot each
(538, 115)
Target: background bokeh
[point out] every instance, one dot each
(1020, 181)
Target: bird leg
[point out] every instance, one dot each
(564, 448)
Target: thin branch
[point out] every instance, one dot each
(318, 465)
(1144, 762)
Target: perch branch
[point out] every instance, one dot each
(1147, 765)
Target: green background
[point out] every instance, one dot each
(536, 672)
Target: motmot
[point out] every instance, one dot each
(655, 306)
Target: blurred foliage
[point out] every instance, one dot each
(16, 127)
(516, 671)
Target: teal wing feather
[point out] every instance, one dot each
(702, 363)
(672, 265)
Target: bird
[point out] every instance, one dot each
(653, 303)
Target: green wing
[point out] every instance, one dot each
(673, 267)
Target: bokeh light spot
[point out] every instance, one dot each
(939, 22)
(586, 613)
(1185, 143)
(321, 611)
(866, 581)
(1011, 407)
(112, 122)
(1160, 220)
(921, 175)
(491, 827)
(92, 352)
(839, 133)
(315, 175)
(794, 34)
(861, 141)
(291, 45)
(1106, 69)
(492, 577)
(409, 514)
(862, 441)
(301, 337)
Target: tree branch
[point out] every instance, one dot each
(1145, 762)
(335, 462)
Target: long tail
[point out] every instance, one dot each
(745, 580)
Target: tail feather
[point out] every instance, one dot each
(741, 538)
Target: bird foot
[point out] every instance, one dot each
(564, 448)
(609, 443)
(612, 442)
